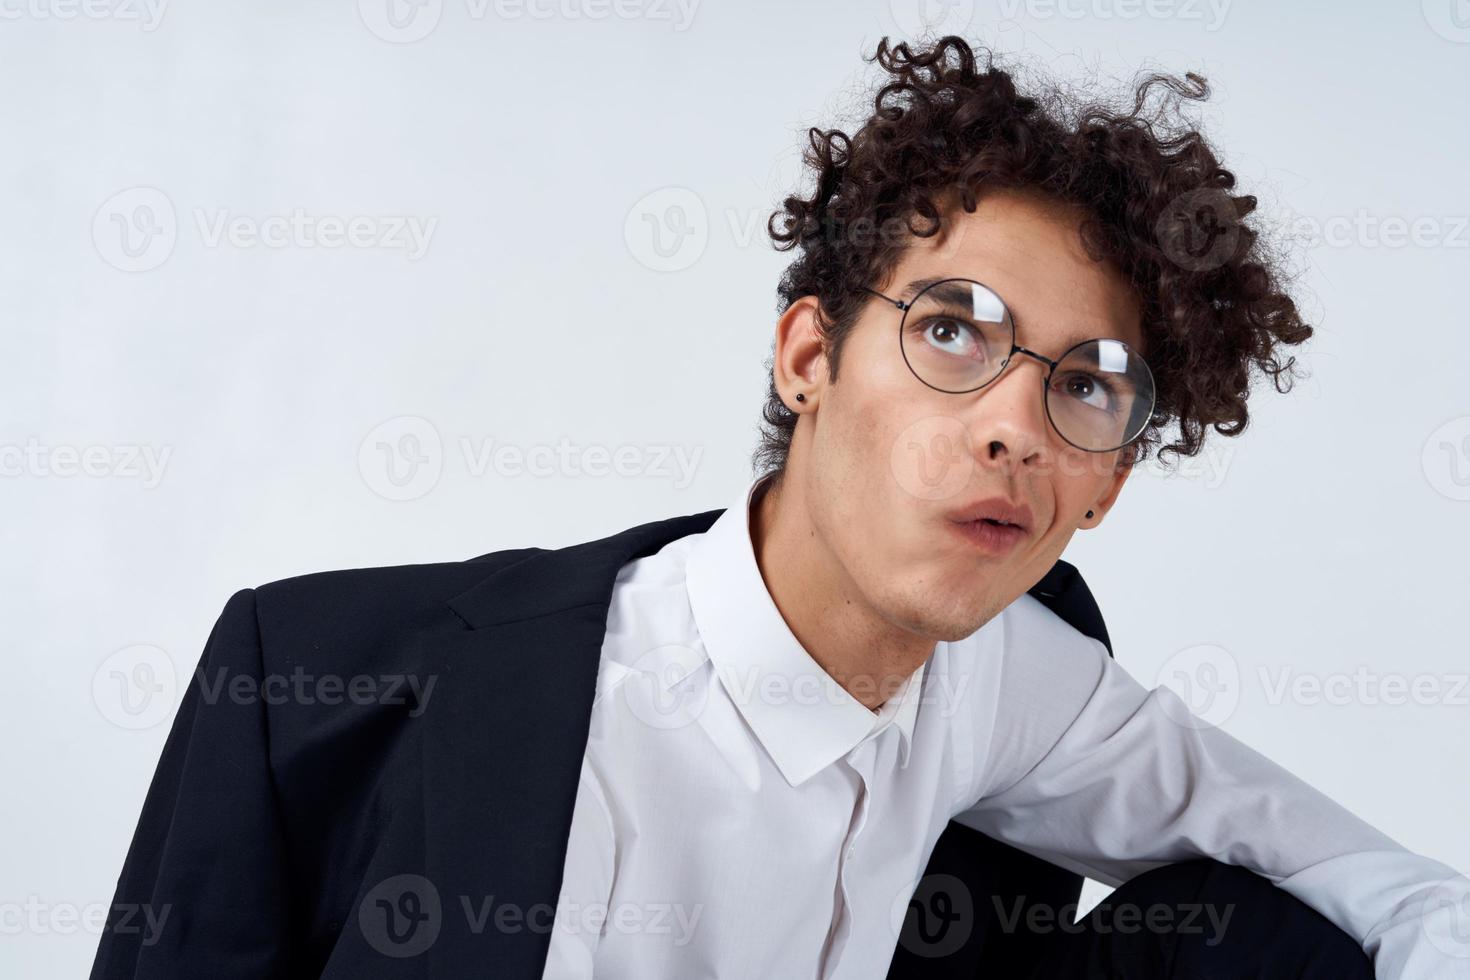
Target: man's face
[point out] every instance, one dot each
(885, 462)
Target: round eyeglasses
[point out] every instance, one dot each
(957, 336)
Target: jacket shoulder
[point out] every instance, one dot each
(1063, 591)
(344, 612)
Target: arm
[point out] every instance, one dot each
(1096, 774)
(207, 862)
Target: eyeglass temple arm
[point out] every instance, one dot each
(896, 302)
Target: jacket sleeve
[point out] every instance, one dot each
(204, 890)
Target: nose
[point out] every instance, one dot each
(1009, 427)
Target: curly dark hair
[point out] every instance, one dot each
(1153, 197)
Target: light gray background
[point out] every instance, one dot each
(539, 153)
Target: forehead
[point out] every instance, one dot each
(1029, 251)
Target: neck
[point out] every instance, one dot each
(861, 650)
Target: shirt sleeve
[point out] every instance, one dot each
(587, 879)
(1088, 770)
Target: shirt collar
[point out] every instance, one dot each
(804, 719)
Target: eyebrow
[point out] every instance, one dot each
(916, 287)
(958, 293)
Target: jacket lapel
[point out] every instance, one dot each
(503, 755)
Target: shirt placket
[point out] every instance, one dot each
(861, 761)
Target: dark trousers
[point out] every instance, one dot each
(985, 910)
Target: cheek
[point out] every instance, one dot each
(1080, 479)
(876, 420)
(863, 416)
(867, 407)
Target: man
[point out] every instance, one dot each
(732, 744)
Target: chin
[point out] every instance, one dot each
(953, 631)
(960, 614)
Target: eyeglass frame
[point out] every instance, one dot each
(1051, 365)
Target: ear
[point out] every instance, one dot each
(800, 363)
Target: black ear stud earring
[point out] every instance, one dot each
(1089, 513)
(800, 397)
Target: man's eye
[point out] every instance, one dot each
(952, 336)
(1091, 390)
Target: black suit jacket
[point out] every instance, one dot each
(298, 826)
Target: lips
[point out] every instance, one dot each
(995, 511)
(990, 537)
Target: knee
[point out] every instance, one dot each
(1220, 920)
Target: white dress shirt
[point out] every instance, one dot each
(740, 815)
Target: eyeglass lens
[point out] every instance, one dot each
(957, 336)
